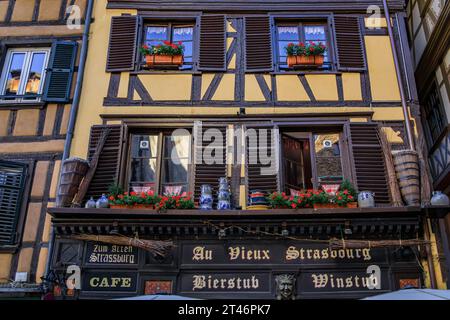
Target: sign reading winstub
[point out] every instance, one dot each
(107, 254)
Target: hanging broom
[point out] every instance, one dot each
(158, 248)
(359, 244)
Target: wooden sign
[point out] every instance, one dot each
(110, 254)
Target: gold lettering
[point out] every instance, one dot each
(94, 282)
(114, 282)
(366, 254)
(198, 282)
(325, 254)
(104, 283)
(291, 253)
(126, 282)
(234, 252)
(200, 253)
(319, 280)
(316, 254)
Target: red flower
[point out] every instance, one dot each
(345, 191)
(350, 197)
(145, 46)
(339, 198)
(290, 44)
(111, 198)
(174, 46)
(167, 42)
(180, 43)
(329, 190)
(301, 44)
(132, 193)
(120, 196)
(150, 193)
(311, 49)
(294, 205)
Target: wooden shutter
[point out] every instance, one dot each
(371, 173)
(256, 178)
(258, 44)
(212, 43)
(12, 182)
(107, 171)
(122, 43)
(205, 173)
(60, 71)
(349, 44)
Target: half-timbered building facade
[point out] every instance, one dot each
(318, 125)
(38, 60)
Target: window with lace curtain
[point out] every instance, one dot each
(158, 33)
(301, 32)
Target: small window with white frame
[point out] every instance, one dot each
(23, 75)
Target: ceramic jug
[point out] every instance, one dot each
(91, 203)
(206, 198)
(366, 199)
(102, 202)
(439, 199)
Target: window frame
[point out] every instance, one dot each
(300, 21)
(26, 66)
(309, 135)
(170, 22)
(440, 109)
(161, 133)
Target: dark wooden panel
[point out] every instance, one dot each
(212, 43)
(371, 174)
(258, 43)
(122, 43)
(349, 45)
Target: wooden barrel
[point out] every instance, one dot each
(72, 173)
(406, 164)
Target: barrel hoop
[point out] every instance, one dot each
(405, 169)
(408, 162)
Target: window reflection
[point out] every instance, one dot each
(328, 158)
(14, 73)
(35, 73)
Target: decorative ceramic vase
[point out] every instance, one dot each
(439, 199)
(206, 198)
(91, 203)
(224, 195)
(102, 202)
(257, 197)
(366, 199)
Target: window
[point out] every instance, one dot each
(434, 115)
(310, 160)
(23, 74)
(159, 161)
(304, 32)
(158, 33)
(12, 182)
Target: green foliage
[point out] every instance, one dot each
(166, 48)
(309, 49)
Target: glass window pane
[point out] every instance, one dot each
(143, 187)
(183, 34)
(187, 49)
(328, 158)
(315, 33)
(35, 74)
(14, 73)
(177, 146)
(175, 172)
(281, 49)
(289, 33)
(144, 146)
(143, 170)
(155, 35)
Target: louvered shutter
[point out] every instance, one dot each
(349, 44)
(206, 172)
(371, 173)
(60, 71)
(212, 43)
(12, 182)
(107, 171)
(122, 43)
(258, 44)
(262, 175)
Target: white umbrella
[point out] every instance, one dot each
(413, 294)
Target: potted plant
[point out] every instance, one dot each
(183, 201)
(310, 54)
(167, 53)
(133, 200)
(322, 200)
(278, 200)
(348, 194)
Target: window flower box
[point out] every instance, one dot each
(164, 54)
(310, 54)
(163, 60)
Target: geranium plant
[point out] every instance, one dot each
(278, 200)
(133, 198)
(309, 49)
(183, 201)
(166, 48)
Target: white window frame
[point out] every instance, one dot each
(29, 52)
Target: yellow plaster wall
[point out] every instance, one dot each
(40, 177)
(371, 22)
(65, 119)
(26, 122)
(252, 90)
(289, 88)
(206, 81)
(383, 79)
(123, 85)
(49, 10)
(50, 116)
(168, 87)
(4, 119)
(388, 113)
(225, 90)
(351, 84)
(25, 256)
(5, 266)
(32, 221)
(40, 270)
(55, 177)
(23, 10)
(3, 8)
(323, 86)
(43, 31)
(41, 146)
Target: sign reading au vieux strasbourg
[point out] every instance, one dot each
(350, 274)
